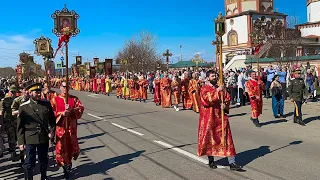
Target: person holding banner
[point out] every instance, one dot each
(211, 141)
(67, 147)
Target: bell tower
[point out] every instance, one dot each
(234, 7)
(313, 7)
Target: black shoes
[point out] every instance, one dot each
(13, 156)
(255, 122)
(212, 165)
(298, 120)
(236, 167)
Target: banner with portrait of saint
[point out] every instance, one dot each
(92, 72)
(82, 70)
(95, 61)
(78, 60)
(100, 68)
(108, 66)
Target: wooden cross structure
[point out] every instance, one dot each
(167, 54)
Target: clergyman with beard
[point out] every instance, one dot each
(210, 140)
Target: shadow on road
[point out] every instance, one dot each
(246, 157)
(102, 167)
(165, 149)
(310, 119)
(90, 136)
(274, 122)
(236, 115)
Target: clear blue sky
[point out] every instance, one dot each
(105, 24)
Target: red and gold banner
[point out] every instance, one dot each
(108, 66)
(95, 61)
(92, 72)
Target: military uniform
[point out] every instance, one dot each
(296, 91)
(35, 121)
(10, 122)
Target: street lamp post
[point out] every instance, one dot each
(220, 30)
(43, 48)
(167, 54)
(65, 26)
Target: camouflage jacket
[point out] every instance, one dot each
(6, 108)
(17, 102)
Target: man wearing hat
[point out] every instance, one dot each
(24, 97)
(296, 91)
(35, 127)
(9, 121)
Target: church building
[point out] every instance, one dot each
(241, 16)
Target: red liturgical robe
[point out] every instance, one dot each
(253, 91)
(67, 146)
(210, 125)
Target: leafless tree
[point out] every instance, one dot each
(7, 72)
(139, 54)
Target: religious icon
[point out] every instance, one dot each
(43, 46)
(78, 60)
(65, 22)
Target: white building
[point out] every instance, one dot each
(241, 15)
(311, 29)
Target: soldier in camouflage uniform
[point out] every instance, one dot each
(9, 121)
(24, 97)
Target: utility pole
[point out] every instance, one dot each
(180, 52)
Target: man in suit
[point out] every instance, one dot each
(35, 127)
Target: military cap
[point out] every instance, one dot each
(297, 71)
(13, 88)
(35, 87)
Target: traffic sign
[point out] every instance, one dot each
(62, 58)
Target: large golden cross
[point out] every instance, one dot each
(167, 54)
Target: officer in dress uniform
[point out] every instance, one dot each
(35, 127)
(296, 91)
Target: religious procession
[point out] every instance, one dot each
(251, 114)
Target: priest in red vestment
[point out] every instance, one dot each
(67, 147)
(156, 86)
(186, 99)
(213, 138)
(94, 85)
(165, 91)
(143, 86)
(255, 96)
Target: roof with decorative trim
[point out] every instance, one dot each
(284, 59)
(184, 64)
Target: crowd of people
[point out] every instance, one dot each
(33, 114)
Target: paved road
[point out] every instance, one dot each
(131, 140)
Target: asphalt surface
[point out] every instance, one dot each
(121, 139)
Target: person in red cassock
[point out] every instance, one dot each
(255, 88)
(211, 142)
(67, 147)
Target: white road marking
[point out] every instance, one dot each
(186, 153)
(129, 130)
(93, 95)
(95, 116)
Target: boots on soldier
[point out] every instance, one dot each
(295, 119)
(28, 174)
(13, 156)
(43, 172)
(300, 122)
